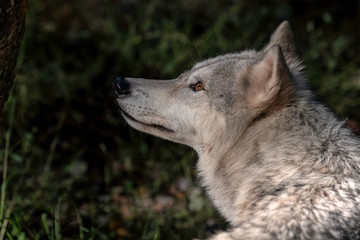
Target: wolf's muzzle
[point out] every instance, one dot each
(121, 87)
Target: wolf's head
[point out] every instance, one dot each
(198, 107)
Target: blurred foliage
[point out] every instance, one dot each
(77, 171)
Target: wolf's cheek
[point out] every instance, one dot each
(209, 127)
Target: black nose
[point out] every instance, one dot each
(121, 87)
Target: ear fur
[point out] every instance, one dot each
(284, 38)
(269, 79)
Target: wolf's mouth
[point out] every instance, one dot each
(160, 127)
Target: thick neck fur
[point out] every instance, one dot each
(238, 169)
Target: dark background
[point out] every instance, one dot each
(77, 171)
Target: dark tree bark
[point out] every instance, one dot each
(12, 27)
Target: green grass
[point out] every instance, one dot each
(72, 168)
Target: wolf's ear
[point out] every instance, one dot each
(269, 79)
(284, 38)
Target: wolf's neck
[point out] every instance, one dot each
(223, 167)
(270, 152)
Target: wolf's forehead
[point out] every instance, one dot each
(249, 55)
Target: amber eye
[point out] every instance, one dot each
(199, 86)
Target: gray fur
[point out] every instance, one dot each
(275, 163)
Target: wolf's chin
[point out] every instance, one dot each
(130, 118)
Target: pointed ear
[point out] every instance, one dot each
(284, 37)
(269, 79)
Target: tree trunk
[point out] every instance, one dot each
(12, 27)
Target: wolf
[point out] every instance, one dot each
(274, 161)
